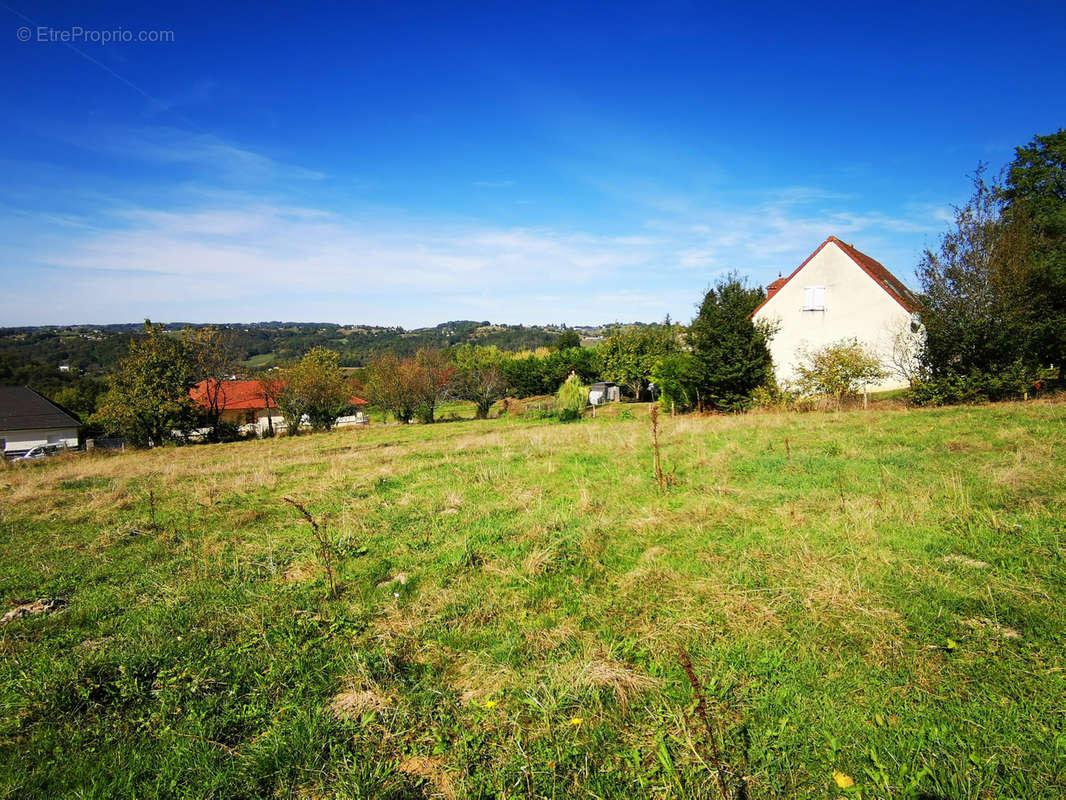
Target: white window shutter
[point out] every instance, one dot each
(814, 298)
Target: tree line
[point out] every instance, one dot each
(715, 364)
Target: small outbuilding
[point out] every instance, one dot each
(604, 392)
(29, 419)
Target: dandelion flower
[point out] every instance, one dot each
(576, 721)
(843, 781)
(490, 704)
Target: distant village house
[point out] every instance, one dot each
(29, 419)
(252, 407)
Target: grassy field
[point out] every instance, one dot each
(876, 598)
(261, 360)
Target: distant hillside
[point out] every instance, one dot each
(95, 349)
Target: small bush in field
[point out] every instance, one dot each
(571, 399)
(838, 370)
(771, 397)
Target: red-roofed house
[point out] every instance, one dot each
(249, 404)
(838, 293)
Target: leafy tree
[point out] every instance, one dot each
(567, 340)
(630, 354)
(525, 375)
(729, 350)
(412, 387)
(79, 396)
(531, 374)
(975, 310)
(676, 377)
(479, 377)
(213, 355)
(388, 387)
(838, 370)
(1035, 197)
(431, 382)
(148, 395)
(315, 387)
(556, 367)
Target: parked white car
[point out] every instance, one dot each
(40, 451)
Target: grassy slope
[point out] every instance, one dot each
(532, 649)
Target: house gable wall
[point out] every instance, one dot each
(855, 305)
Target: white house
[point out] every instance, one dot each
(28, 419)
(840, 293)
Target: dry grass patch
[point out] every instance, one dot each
(36, 608)
(966, 561)
(647, 581)
(298, 573)
(354, 703)
(538, 560)
(986, 624)
(622, 680)
(745, 613)
(653, 552)
(543, 641)
(477, 680)
(249, 516)
(430, 769)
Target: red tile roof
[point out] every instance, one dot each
(243, 395)
(234, 395)
(887, 281)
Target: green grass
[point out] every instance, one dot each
(881, 594)
(261, 360)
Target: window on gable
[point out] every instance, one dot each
(814, 298)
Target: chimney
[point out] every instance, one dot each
(771, 290)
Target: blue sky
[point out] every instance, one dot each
(400, 163)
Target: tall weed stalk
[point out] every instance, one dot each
(324, 542)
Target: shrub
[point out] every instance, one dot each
(838, 370)
(571, 399)
(1010, 383)
(227, 432)
(771, 397)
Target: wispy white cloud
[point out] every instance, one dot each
(241, 251)
(775, 235)
(235, 244)
(204, 153)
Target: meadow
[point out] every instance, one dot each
(851, 604)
